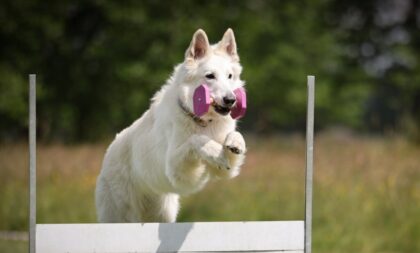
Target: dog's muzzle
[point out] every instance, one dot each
(228, 103)
(223, 110)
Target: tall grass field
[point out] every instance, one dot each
(366, 190)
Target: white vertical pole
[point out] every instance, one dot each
(32, 162)
(309, 163)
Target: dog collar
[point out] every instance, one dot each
(194, 117)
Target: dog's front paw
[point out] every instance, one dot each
(235, 143)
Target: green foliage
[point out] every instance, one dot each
(13, 246)
(99, 62)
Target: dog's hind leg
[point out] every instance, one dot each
(106, 208)
(113, 202)
(158, 207)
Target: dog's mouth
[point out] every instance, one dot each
(221, 109)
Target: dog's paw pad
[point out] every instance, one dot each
(235, 143)
(220, 167)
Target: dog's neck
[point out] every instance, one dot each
(199, 121)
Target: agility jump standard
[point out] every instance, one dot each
(268, 236)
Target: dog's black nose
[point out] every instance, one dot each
(229, 100)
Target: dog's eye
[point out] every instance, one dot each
(230, 76)
(210, 76)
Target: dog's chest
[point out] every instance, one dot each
(218, 131)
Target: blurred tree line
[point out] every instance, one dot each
(99, 62)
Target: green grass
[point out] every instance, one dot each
(13, 247)
(366, 199)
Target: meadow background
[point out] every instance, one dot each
(99, 62)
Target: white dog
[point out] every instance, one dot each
(169, 151)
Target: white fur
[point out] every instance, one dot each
(165, 154)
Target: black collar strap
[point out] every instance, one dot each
(194, 117)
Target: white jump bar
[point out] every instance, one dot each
(273, 236)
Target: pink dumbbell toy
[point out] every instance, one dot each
(202, 102)
(238, 111)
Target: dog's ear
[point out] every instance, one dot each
(228, 44)
(199, 46)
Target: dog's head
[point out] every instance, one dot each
(217, 66)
